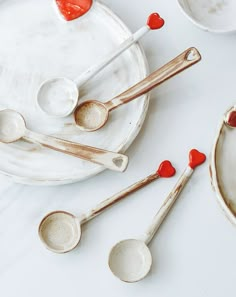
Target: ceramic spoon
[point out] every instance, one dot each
(59, 96)
(12, 128)
(92, 115)
(130, 260)
(60, 231)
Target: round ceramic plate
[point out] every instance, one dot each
(223, 163)
(37, 44)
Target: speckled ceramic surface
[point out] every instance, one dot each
(223, 163)
(40, 45)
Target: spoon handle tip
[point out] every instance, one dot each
(196, 158)
(166, 169)
(155, 22)
(108, 159)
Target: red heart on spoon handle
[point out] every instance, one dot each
(196, 158)
(155, 22)
(72, 9)
(166, 169)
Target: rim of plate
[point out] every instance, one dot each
(144, 69)
(214, 178)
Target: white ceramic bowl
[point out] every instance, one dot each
(216, 16)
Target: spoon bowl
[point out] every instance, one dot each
(58, 96)
(130, 260)
(12, 126)
(60, 231)
(91, 115)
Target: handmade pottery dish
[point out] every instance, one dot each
(223, 163)
(60, 231)
(36, 52)
(216, 16)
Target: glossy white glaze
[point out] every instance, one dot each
(43, 47)
(58, 97)
(12, 126)
(213, 15)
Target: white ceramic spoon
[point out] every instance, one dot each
(131, 260)
(13, 128)
(59, 96)
(60, 231)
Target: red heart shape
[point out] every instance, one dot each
(196, 158)
(166, 169)
(155, 21)
(72, 9)
(231, 121)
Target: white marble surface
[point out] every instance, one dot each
(194, 252)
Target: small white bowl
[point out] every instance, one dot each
(216, 16)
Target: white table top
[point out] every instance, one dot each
(194, 250)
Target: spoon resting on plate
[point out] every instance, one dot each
(92, 115)
(130, 260)
(59, 96)
(13, 128)
(60, 231)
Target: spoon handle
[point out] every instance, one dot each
(165, 170)
(188, 58)
(195, 159)
(92, 71)
(111, 160)
(167, 205)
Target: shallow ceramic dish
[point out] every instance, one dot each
(222, 168)
(217, 16)
(38, 45)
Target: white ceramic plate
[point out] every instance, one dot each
(36, 44)
(222, 168)
(217, 16)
